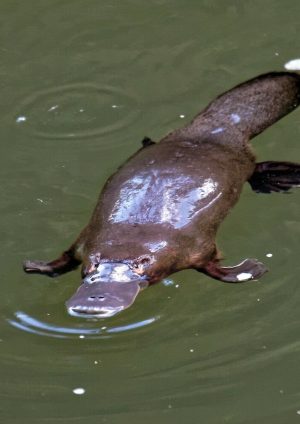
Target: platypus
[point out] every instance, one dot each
(160, 212)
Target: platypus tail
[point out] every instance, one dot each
(250, 107)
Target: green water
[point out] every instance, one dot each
(82, 82)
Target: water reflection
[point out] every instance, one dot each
(176, 202)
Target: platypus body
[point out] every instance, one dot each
(160, 212)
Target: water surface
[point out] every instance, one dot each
(82, 82)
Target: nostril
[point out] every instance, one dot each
(100, 297)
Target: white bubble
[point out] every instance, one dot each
(293, 65)
(52, 108)
(269, 255)
(191, 350)
(181, 116)
(21, 119)
(79, 391)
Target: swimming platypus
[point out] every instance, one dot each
(160, 212)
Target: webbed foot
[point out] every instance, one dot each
(249, 269)
(275, 176)
(65, 263)
(38, 267)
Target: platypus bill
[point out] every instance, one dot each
(160, 212)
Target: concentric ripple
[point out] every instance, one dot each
(27, 323)
(76, 110)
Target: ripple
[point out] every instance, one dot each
(25, 322)
(76, 110)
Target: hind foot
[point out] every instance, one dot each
(275, 176)
(249, 269)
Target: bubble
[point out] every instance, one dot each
(293, 65)
(79, 391)
(21, 119)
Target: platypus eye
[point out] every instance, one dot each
(145, 261)
(140, 263)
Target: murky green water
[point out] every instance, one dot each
(81, 83)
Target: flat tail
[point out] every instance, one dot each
(249, 108)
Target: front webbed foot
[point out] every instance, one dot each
(65, 263)
(249, 269)
(39, 267)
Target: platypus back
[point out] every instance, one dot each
(250, 107)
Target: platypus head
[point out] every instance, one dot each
(111, 288)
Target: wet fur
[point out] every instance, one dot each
(154, 199)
